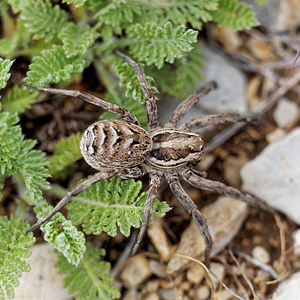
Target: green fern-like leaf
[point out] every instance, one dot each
(10, 141)
(90, 279)
(8, 46)
(154, 44)
(13, 252)
(113, 16)
(16, 5)
(185, 11)
(66, 152)
(235, 15)
(77, 3)
(129, 81)
(109, 203)
(43, 20)
(18, 99)
(53, 66)
(34, 170)
(5, 65)
(76, 40)
(62, 234)
(181, 78)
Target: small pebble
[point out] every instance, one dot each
(195, 274)
(169, 294)
(151, 286)
(222, 295)
(261, 254)
(275, 135)
(296, 239)
(202, 293)
(152, 296)
(135, 271)
(158, 268)
(286, 113)
(218, 270)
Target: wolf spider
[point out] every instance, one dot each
(125, 149)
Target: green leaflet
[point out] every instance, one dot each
(53, 66)
(180, 79)
(18, 99)
(66, 152)
(235, 15)
(5, 65)
(10, 140)
(62, 234)
(76, 40)
(43, 20)
(113, 16)
(90, 279)
(111, 203)
(77, 3)
(129, 81)
(34, 170)
(154, 44)
(13, 252)
(184, 11)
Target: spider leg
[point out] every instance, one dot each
(114, 108)
(194, 179)
(151, 106)
(190, 206)
(189, 102)
(155, 177)
(73, 192)
(216, 119)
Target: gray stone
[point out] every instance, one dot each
(274, 175)
(230, 94)
(43, 281)
(135, 271)
(288, 289)
(224, 217)
(228, 97)
(277, 15)
(286, 113)
(169, 294)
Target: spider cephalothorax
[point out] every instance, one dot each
(125, 149)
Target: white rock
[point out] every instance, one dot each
(261, 254)
(274, 175)
(288, 289)
(275, 135)
(135, 271)
(230, 94)
(286, 113)
(202, 293)
(43, 281)
(296, 239)
(224, 217)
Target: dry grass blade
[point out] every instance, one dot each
(212, 277)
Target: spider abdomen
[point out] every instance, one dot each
(172, 148)
(115, 144)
